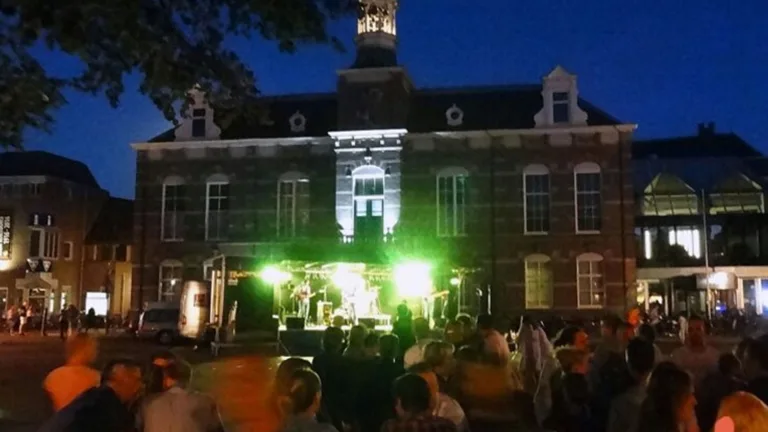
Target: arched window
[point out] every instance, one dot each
(536, 202)
(174, 206)
(452, 202)
(587, 187)
(538, 282)
(292, 204)
(216, 207)
(590, 284)
(170, 280)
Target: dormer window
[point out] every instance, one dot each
(561, 107)
(198, 122)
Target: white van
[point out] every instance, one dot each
(195, 310)
(159, 321)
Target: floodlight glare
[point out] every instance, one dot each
(413, 279)
(455, 281)
(274, 275)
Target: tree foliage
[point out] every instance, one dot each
(173, 45)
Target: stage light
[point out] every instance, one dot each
(274, 275)
(455, 281)
(413, 279)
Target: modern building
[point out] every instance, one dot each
(701, 227)
(48, 206)
(527, 188)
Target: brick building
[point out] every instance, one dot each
(48, 205)
(527, 187)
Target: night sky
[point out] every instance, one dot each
(664, 65)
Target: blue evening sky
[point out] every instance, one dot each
(665, 65)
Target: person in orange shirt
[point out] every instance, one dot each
(64, 384)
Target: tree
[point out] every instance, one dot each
(173, 45)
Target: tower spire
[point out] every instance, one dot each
(376, 33)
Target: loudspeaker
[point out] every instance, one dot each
(369, 323)
(294, 323)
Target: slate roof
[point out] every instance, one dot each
(701, 161)
(488, 107)
(114, 225)
(41, 163)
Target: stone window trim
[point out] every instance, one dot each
(587, 168)
(176, 213)
(591, 281)
(170, 274)
(68, 250)
(529, 171)
(214, 182)
(451, 218)
(288, 203)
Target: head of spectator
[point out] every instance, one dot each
(453, 332)
(573, 336)
(337, 321)
(123, 376)
(412, 396)
(157, 362)
(573, 360)
(439, 356)
(428, 374)
(647, 332)
(403, 312)
(371, 345)
(357, 335)
(304, 394)
(610, 326)
(756, 358)
(729, 365)
(467, 354)
(669, 402)
(697, 332)
(389, 347)
(285, 371)
(741, 412)
(640, 356)
(172, 375)
(485, 324)
(467, 325)
(80, 350)
(421, 329)
(333, 340)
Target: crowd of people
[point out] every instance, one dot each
(470, 375)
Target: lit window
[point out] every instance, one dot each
(43, 244)
(587, 181)
(561, 111)
(538, 282)
(589, 281)
(292, 205)
(687, 238)
(6, 230)
(452, 202)
(171, 273)
(217, 208)
(198, 122)
(174, 197)
(536, 203)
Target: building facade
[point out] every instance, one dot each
(702, 230)
(528, 187)
(48, 205)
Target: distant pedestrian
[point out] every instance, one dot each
(22, 318)
(90, 320)
(63, 325)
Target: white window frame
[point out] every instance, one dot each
(195, 118)
(176, 237)
(536, 170)
(172, 281)
(294, 178)
(216, 180)
(46, 235)
(596, 272)
(68, 250)
(539, 263)
(586, 168)
(458, 229)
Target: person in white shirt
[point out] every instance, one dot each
(696, 357)
(443, 405)
(415, 354)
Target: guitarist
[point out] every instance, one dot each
(303, 293)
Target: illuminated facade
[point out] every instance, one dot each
(701, 226)
(528, 186)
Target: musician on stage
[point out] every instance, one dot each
(303, 293)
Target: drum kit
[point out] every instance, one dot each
(355, 304)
